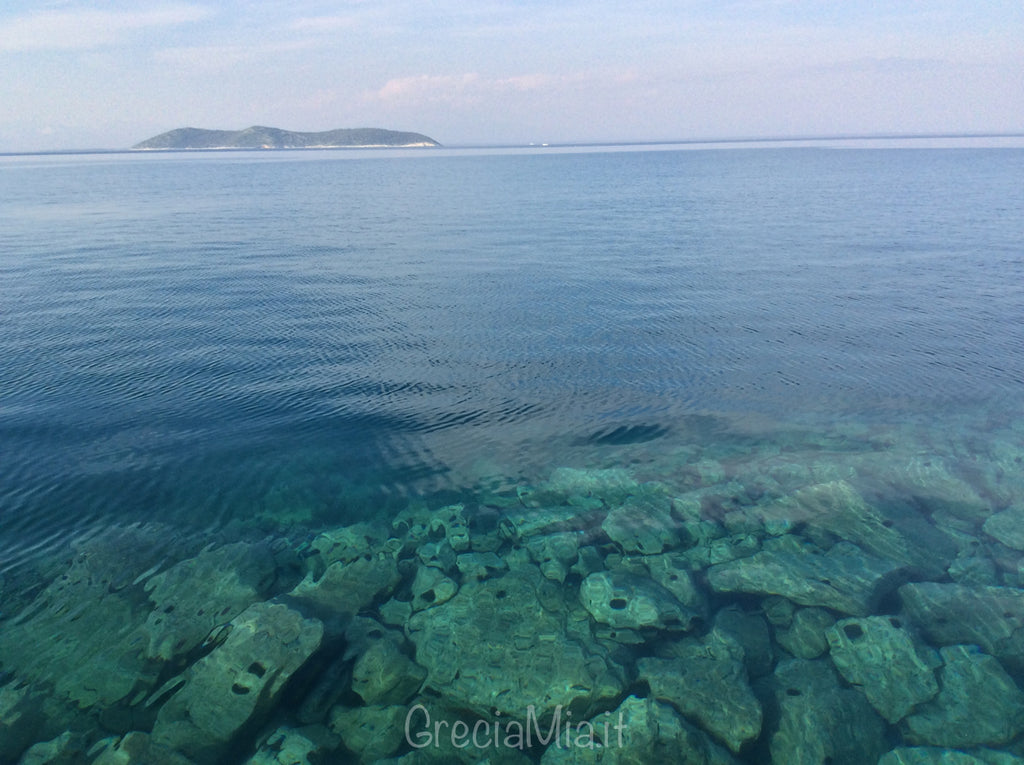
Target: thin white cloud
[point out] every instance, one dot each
(322, 24)
(85, 29)
(220, 57)
(426, 88)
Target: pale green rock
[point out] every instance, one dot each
(555, 553)
(295, 746)
(877, 655)
(978, 703)
(438, 554)
(395, 612)
(348, 543)
(194, 596)
(418, 523)
(454, 523)
(844, 579)
(671, 572)
(819, 721)
(642, 528)
(933, 755)
(480, 565)
(65, 749)
(1007, 527)
(135, 748)
(612, 486)
(721, 549)
(638, 732)
(778, 611)
(504, 644)
(346, 588)
(707, 682)
(431, 587)
(82, 640)
(805, 637)
(991, 617)
(372, 732)
(927, 478)
(522, 523)
(237, 682)
(973, 570)
(836, 508)
(383, 675)
(705, 472)
(632, 602)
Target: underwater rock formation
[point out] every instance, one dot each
(500, 645)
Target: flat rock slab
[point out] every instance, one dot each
(626, 601)
(237, 682)
(707, 683)
(495, 646)
(978, 705)
(991, 617)
(1007, 527)
(640, 731)
(844, 579)
(877, 655)
(820, 721)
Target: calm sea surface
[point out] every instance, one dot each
(205, 338)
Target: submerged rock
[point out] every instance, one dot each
(384, 675)
(671, 572)
(82, 639)
(237, 682)
(641, 528)
(806, 635)
(349, 543)
(65, 749)
(978, 703)
(707, 682)
(480, 565)
(295, 746)
(877, 655)
(555, 553)
(346, 588)
(926, 480)
(752, 633)
(194, 596)
(844, 579)
(135, 748)
(933, 755)
(991, 617)
(372, 732)
(632, 602)
(502, 644)
(638, 732)
(837, 509)
(819, 721)
(1007, 527)
(612, 485)
(431, 587)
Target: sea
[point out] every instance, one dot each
(215, 349)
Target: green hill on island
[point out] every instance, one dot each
(258, 137)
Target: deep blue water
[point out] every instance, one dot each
(204, 339)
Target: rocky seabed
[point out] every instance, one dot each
(860, 601)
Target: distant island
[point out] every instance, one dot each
(258, 137)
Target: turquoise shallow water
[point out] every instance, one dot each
(720, 348)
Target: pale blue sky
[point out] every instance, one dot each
(108, 74)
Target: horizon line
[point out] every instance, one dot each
(566, 144)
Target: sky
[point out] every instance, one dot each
(79, 75)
